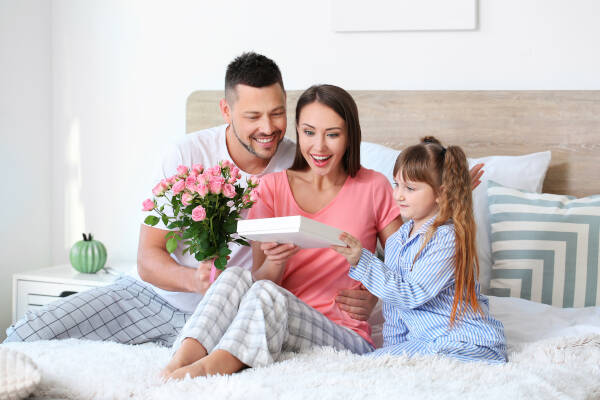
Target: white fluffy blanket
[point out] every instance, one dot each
(557, 368)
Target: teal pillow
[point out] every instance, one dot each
(544, 246)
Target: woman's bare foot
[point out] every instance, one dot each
(190, 351)
(217, 362)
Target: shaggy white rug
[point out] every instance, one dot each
(557, 368)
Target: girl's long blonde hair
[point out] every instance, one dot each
(446, 170)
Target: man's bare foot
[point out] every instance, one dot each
(190, 351)
(218, 362)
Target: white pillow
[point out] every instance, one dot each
(379, 158)
(18, 374)
(525, 172)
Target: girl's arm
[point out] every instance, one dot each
(431, 273)
(269, 260)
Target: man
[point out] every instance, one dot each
(132, 311)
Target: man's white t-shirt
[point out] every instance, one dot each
(208, 147)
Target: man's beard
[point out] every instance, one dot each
(249, 148)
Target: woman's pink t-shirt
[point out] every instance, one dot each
(362, 207)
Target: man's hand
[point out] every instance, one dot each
(476, 173)
(353, 248)
(202, 276)
(358, 303)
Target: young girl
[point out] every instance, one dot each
(428, 283)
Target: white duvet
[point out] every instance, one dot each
(553, 354)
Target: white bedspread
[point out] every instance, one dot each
(554, 354)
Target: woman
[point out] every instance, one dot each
(287, 302)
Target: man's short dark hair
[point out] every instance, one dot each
(253, 70)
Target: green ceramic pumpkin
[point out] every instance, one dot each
(88, 255)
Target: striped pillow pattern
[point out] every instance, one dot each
(545, 247)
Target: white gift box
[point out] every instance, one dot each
(303, 232)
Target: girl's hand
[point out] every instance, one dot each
(278, 254)
(353, 249)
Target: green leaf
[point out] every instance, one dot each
(171, 245)
(224, 251)
(242, 242)
(221, 262)
(151, 220)
(165, 220)
(204, 244)
(173, 225)
(230, 226)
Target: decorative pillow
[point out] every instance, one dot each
(18, 374)
(525, 172)
(544, 246)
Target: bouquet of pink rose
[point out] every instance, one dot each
(206, 205)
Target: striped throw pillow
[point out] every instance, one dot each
(544, 247)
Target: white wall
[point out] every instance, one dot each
(121, 72)
(24, 146)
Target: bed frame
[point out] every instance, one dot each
(482, 122)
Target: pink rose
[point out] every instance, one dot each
(246, 199)
(254, 180)
(235, 172)
(254, 195)
(202, 190)
(229, 191)
(190, 183)
(172, 179)
(215, 171)
(204, 178)
(160, 188)
(148, 205)
(216, 184)
(186, 199)
(226, 164)
(182, 170)
(178, 187)
(232, 180)
(198, 168)
(198, 213)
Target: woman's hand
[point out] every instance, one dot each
(278, 254)
(269, 260)
(353, 248)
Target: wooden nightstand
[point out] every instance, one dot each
(36, 288)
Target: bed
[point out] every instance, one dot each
(554, 348)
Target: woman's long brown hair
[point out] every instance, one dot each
(446, 170)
